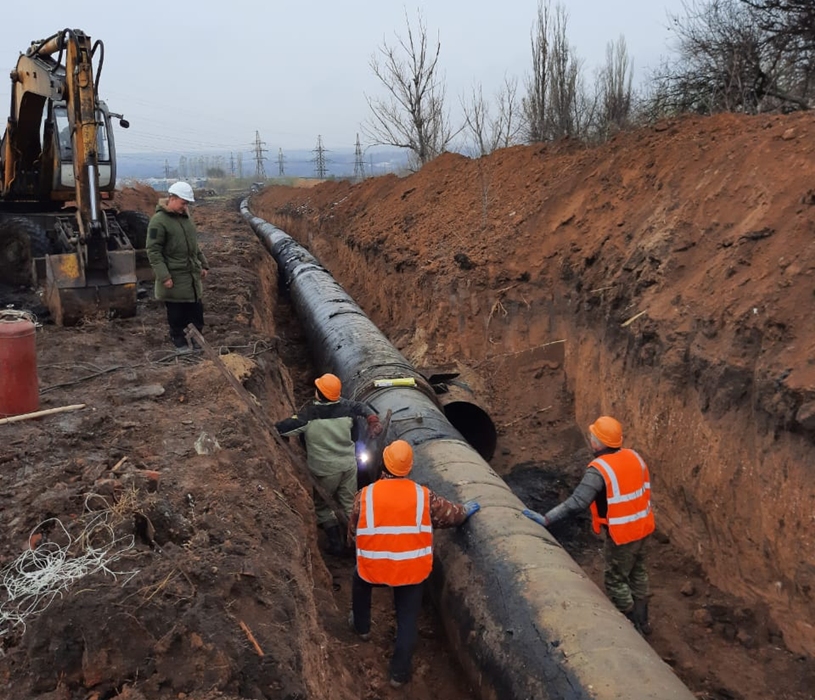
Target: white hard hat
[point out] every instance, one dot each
(182, 190)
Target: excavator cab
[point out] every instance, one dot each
(92, 265)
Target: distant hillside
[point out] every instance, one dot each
(296, 163)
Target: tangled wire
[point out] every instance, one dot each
(31, 582)
(9, 315)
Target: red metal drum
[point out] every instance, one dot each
(19, 387)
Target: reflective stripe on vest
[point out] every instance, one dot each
(394, 553)
(629, 516)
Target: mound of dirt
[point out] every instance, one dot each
(140, 197)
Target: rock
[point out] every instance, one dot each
(148, 391)
(206, 444)
(805, 417)
(688, 589)
(746, 639)
(703, 617)
(789, 134)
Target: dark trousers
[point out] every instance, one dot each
(179, 315)
(625, 576)
(407, 601)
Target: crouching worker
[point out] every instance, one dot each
(392, 521)
(328, 425)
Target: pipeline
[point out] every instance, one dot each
(522, 617)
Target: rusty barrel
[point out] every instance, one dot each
(19, 388)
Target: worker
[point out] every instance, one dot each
(392, 521)
(178, 263)
(328, 426)
(617, 488)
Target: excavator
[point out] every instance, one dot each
(59, 228)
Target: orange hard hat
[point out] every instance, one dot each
(398, 458)
(608, 431)
(330, 386)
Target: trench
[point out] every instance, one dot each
(521, 616)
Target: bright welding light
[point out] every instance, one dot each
(362, 457)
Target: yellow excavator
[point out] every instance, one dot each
(58, 227)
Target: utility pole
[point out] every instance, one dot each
(359, 162)
(260, 170)
(280, 160)
(166, 169)
(240, 166)
(232, 164)
(320, 168)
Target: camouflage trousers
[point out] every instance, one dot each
(343, 487)
(625, 576)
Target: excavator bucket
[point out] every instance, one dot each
(71, 295)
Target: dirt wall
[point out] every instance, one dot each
(677, 263)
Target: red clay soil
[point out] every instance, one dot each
(674, 271)
(678, 265)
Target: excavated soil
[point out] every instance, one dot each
(667, 278)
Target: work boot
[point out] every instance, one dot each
(336, 545)
(363, 636)
(641, 617)
(631, 615)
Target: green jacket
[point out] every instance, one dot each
(330, 431)
(172, 248)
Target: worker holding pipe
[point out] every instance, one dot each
(392, 521)
(328, 425)
(617, 489)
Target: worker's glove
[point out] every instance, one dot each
(471, 507)
(374, 426)
(537, 517)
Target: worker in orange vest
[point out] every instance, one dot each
(617, 488)
(392, 521)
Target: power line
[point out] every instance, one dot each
(260, 170)
(359, 163)
(320, 168)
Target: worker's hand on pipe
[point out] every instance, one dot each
(168, 283)
(537, 517)
(471, 507)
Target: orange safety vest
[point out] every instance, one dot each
(394, 533)
(628, 494)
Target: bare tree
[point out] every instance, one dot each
(556, 105)
(564, 116)
(789, 26)
(537, 87)
(485, 131)
(793, 20)
(729, 61)
(509, 116)
(615, 89)
(413, 115)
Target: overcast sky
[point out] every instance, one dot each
(208, 74)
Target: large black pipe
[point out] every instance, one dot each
(524, 619)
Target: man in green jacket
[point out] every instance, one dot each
(177, 261)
